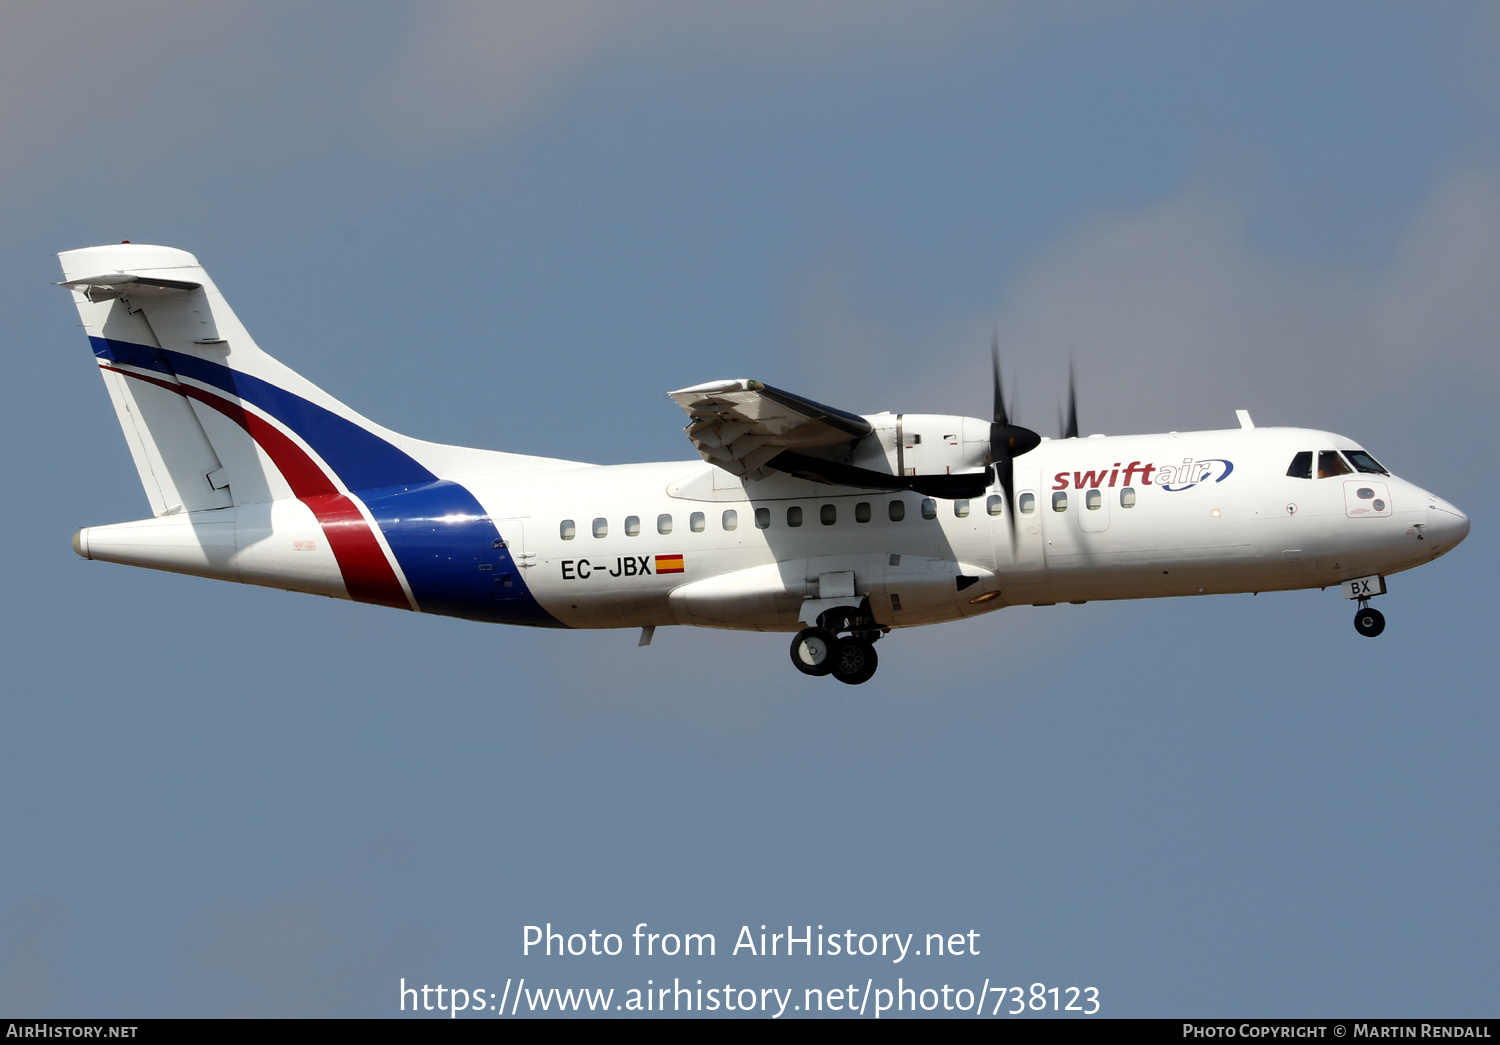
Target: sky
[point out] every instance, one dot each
(517, 225)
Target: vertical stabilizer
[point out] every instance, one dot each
(178, 466)
(322, 498)
(211, 419)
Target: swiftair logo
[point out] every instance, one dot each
(1190, 473)
(1172, 477)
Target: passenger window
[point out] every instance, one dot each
(828, 515)
(731, 519)
(929, 508)
(1331, 464)
(567, 531)
(1093, 500)
(1127, 497)
(632, 526)
(663, 524)
(961, 509)
(762, 518)
(1301, 467)
(794, 515)
(1365, 463)
(896, 510)
(1060, 501)
(1027, 503)
(993, 502)
(696, 522)
(601, 527)
(862, 512)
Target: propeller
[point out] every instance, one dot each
(1069, 428)
(1007, 440)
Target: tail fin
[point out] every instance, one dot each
(211, 420)
(215, 423)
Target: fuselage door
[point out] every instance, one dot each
(1093, 508)
(1025, 557)
(508, 560)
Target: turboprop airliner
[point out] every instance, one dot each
(803, 518)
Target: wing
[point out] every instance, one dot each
(740, 425)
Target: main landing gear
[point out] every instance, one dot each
(850, 658)
(1368, 622)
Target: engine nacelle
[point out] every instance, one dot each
(924, 444)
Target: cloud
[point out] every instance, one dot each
(470, 68)
(1177, 315)
(473, 69)
(143, 97)
(320, 948)
(1439, 305)
(80, 82)
(1180, 315)
(30, 945)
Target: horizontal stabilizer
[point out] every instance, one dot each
(114, 284)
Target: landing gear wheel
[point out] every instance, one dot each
(1368, 622)
(854, 661)
(813, 651)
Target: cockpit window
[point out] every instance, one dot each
(1365, 463)
(1301, 466)
(1331, 464)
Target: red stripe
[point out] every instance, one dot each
(367, 573)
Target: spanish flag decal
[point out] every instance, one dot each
(669, 564)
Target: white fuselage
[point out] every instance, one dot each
(254, 474)
(639, 545)
(590, 535)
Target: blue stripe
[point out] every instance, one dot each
(454, 557)
(359, 457)
(452, 554)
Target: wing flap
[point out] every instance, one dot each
(740, 425)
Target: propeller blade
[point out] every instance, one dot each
(1007, 440)
(1005, 475)
(1071, 430)
(999, 415)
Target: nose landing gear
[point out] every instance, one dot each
(1368, 622)
(849, 658)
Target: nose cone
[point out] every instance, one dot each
(1446, 525)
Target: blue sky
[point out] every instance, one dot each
(516, 226)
